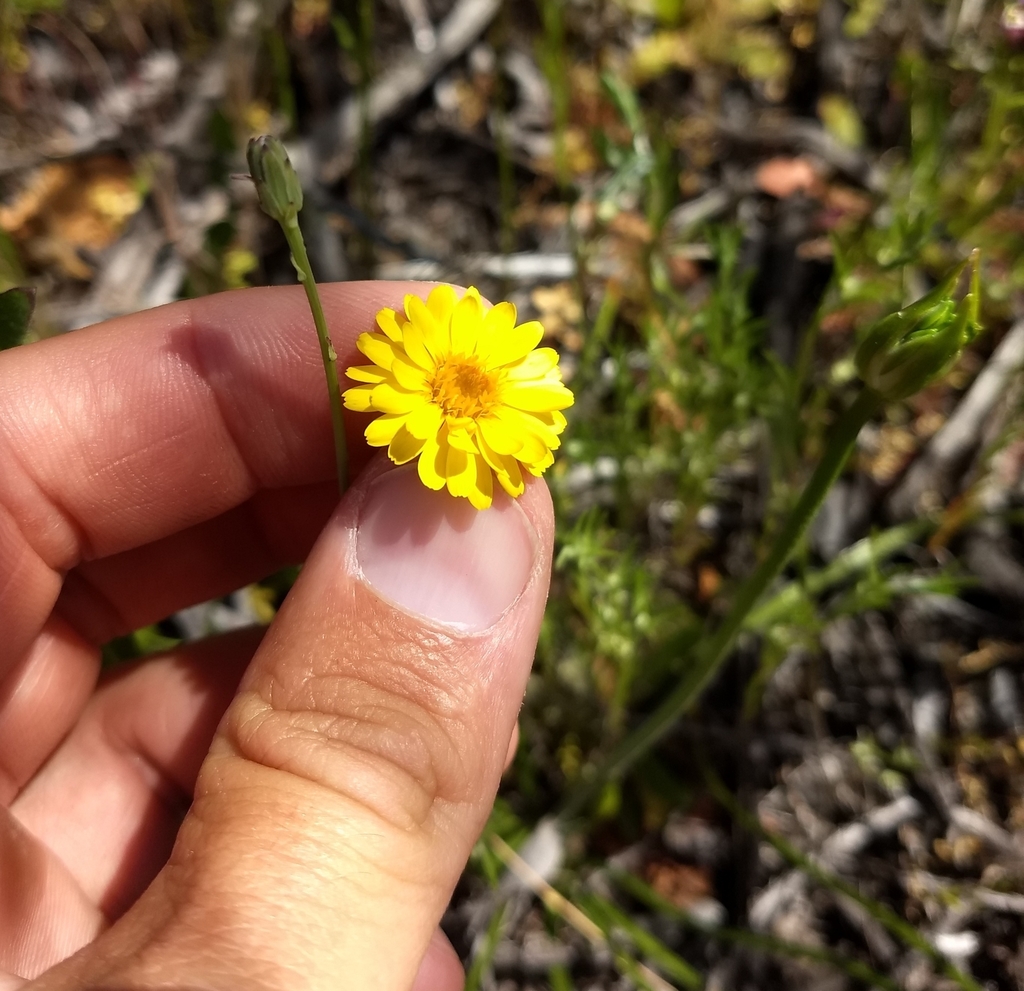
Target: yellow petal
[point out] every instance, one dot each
(537, 437)
(380, 432)
(408, 375)
(533, 449)
(535, 365)
(539, 467)
(499, 321)
(481, 493)
(460, 471)
(377, 348)
(441, 302)
(500, 435)
(535, 423)
(433, 458)
(366, 373)
(461, 439)
(511, 478)
(424, 340)
(388, 322)
(404, 447)
(467, 319)
(388, 399)
(537, 398)
(555, 419)
(359, 398)
(425, 421)
(513, 344)
(506, 468)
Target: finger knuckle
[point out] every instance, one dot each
(390, 737)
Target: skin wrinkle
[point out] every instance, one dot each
(406, 672)
(15, 574)
(61, 519)
(79, 545)
(24, 682)
(333, 829)
(54, 888)
(100, 400)
(265, 550)
(403, 741)
(157, 782)
(98, 610)
(262, 515)
(426, 680)
(190, 332)
(413, 668)
(200, 339)
(29, 573)
(177, 944)
(408, 681)
(374, 777)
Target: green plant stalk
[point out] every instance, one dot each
(709, 660)
(367, 31)
(560, 979)
(554, 66)
(330, 357)
(754, 940)
(897, 925)
(614, 921)
(847, 564)
(484, 956)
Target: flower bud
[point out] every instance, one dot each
(1012, 22)
(906, 350)
(277, 183)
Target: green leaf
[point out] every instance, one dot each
(16, 306)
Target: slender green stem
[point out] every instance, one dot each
(880, 912)
(330, 357)
(484, 956)
(754, 940)
(710, 659)
(614, 922)
(852, 561)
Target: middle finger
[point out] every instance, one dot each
(40, 700)
(115, 595)
(109, 801)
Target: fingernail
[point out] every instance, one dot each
(436, 556)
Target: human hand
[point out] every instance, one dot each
(333, 795)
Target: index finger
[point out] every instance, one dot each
(126, 432)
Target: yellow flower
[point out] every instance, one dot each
(464, 390)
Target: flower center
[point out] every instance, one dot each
(462, 388)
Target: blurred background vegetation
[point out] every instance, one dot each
(707, 203)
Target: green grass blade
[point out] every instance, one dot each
(16, 306)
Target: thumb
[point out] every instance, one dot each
(358, 763)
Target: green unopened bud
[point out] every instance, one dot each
(277, 183)
(906, 350)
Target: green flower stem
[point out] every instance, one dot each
(330, 357)
(710, 659)
(858, 970)
(851, 562)
(880, 912)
